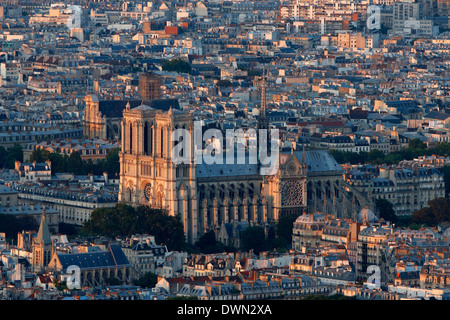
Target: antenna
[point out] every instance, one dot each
(262, 113)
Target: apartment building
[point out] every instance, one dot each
(408, 189)
(74, 204)
(143, 253)
(34, 171)
(403, 11)
(371, 251)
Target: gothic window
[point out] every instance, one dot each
(146, 138)
(292, 169)
(131, 138)
(159, 200)
(147, 191)
(292, 193)
(162, 142)
(128, 194)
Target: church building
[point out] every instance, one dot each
(205, 195)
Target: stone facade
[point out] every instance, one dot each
(205, 195)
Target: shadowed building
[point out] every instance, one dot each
(102, 118)
(149, 86)
(204, 195)
(219, 196)
(95, 267)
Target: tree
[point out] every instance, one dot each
(124, 220)
(207, 243)
(60, 285)
(393, 158)
(385, 210)
(58, 161)
(376, 156)
(112, 222)
(148, 280)
(437, 211)
(27, 223)
(15, 153)
(11, 225)
(3, 157)
(38, 155)
(442, 149)
(66, 228)
(423, 216)
(253, 238)
(113, 281)
(112, 164)
(75, 163)
(417, 144)
(284, 227)
(177, 65)
(446, 171)
(166, 229)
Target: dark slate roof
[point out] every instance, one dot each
(163, 104)
(114, 108)
(206, 170)
(407, 275)
(402, 103)
(114, 256)
(437, 115)
(118, 255)
(318, 161)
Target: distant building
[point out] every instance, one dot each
(95, 267)
(102, 118)
(143, 253)
(89, 149)
(74, 205)
(393, 184)
(34, 172)
(149, 86)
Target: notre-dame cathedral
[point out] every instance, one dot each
(206, 196)
(217, 196)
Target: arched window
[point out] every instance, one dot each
(162, 142)
(146, 138)
(159, 199)
(131, 138)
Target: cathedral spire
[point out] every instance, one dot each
(43, 236)
(263, 123)
(304, 158)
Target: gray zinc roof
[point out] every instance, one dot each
(318, 161)
(114, 256)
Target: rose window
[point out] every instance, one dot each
(292, 193)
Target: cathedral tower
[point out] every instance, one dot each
(148, 173)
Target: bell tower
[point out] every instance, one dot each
(149, 174)
(42, 246)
